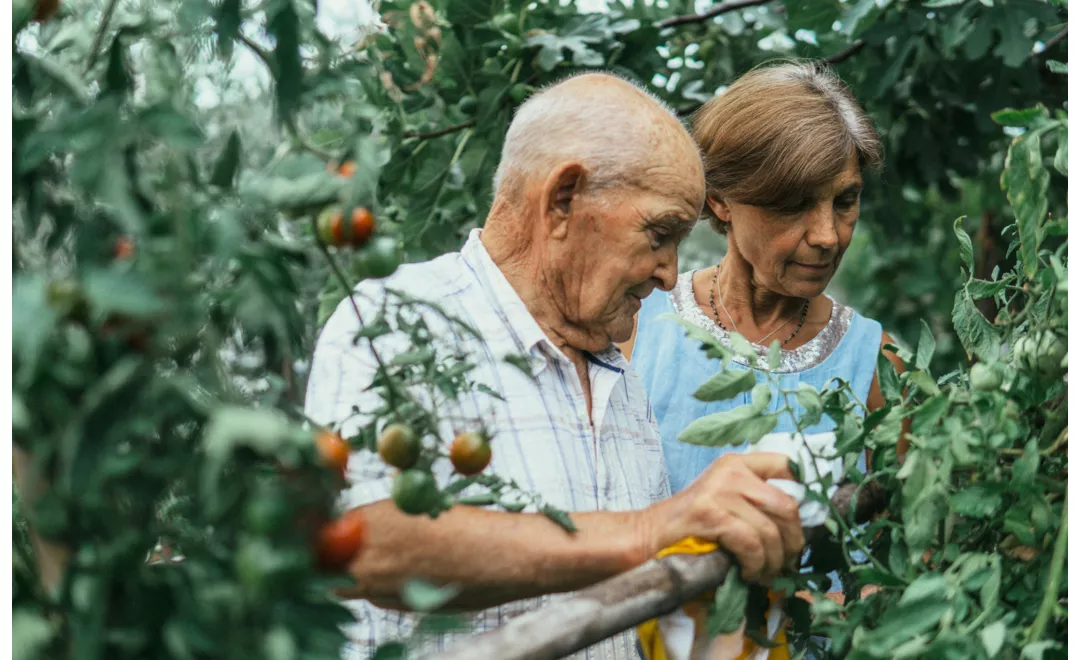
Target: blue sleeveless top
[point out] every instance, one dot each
(672, 367)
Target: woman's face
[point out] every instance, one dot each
(796, 252)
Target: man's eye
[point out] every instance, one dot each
(658, 236)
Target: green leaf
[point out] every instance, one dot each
(815, 15)
(860, 16)
(760, 397)
(928, 414)
(978, 501)
(993, 637)
(990, 592)
(774, 355)
(165, 123)
(227, 22)
(470, 12)
(729, 605)
(30, 634)
(927, 342)
(279, 644)
(1061, 157)
(901, 623)
(731, 427)
(1027, 118)
(710, 344)
(928, 586)
(559, 517)
(1027, 466)
(1036, 650)
(224, 173)
(810, 399)
(1025, 181)
(888, 380)
(726, 385)
(423, 596)
(980, 289)
(287, 69)
(1057, 67)
(924, 382)
(110, 292)
(967, 253)
(887, 432)
(976, 334)
(743, 348)
(937, 4)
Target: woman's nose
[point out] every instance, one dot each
(821, 229)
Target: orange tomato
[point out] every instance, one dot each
(340, 540)
(124, 248)
(333, 450)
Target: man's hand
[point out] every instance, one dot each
(731, 504)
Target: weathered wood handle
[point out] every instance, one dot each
(607, 608)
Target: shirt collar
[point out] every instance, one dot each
(520, 321)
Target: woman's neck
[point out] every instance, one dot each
(750, 305)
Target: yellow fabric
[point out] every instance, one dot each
(652, 639)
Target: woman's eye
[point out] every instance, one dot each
(845, 203)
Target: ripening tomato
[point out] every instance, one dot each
(340, 540)
(470, 453)
(398, 446)
(124, 248)
(333, 229)
(333, 450)
(347, 169)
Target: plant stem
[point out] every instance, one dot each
(1053, 584)
(106, 17)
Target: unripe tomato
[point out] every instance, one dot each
(415, 492)
(380, 258)
(1049, 353)
(506, 22)
(470, 453)
(266, 513)
(467, 105)
(67, 298)
(333, 450)
(520, 92)
(339, 541)
(398, 446)
(984, 377)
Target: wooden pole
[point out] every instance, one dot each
(607, 608)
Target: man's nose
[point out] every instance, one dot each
(667, 271)
(821, 227)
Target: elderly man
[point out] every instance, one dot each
(596, 187)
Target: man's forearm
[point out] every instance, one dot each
(494, 557)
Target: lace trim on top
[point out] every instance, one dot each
(810, 354)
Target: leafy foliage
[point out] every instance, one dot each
(968, 559)
(169, 280)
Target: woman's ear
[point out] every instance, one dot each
(719, 208)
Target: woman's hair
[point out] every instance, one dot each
(779, 133)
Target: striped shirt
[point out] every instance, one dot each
(542, 437)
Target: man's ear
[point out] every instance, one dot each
(561, 191)
(720, 208)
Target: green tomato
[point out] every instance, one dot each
(1049, 354)
(379, 258)
(506, 22)
(467, 105)
(266, 514)
(520, 92)
(415, 492)
(984, 377)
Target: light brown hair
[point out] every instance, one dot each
(779, 133)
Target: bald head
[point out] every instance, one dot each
(614, 129)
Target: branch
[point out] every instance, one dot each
(1053, 582)
(653, 589)
(441, 132)
(722, 8)
(259, 51)
(106, 17)
(1054, 40)
(851, 50)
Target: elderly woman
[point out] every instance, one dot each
(784, 148)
